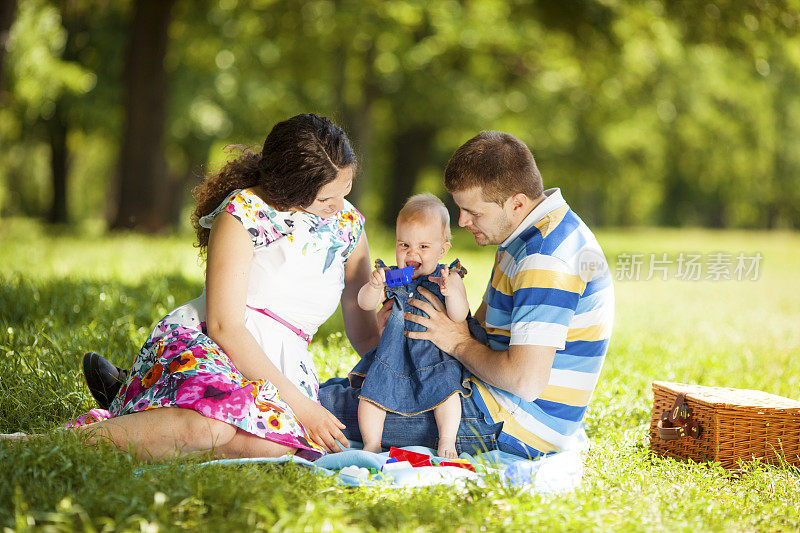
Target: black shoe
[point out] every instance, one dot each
(103, 379)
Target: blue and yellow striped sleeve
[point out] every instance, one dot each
(545, 295)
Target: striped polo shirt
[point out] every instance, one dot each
(550, 286)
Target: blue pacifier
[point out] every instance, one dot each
(399, 276)
(396, 276)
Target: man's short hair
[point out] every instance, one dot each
(499, 163)
(426, 207)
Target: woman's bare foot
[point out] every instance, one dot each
(14, 436)
(447, 449)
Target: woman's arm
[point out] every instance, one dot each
(361, 326)
(230, 254)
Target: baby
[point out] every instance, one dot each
(409, 376)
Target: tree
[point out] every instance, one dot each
(141, 199)
(7, 11)
(45, 82)
(73, 15)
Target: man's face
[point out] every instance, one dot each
(487, 221)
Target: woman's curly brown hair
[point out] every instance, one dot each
(299, 157)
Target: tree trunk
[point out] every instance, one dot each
(412, 152)
(8, 9)
(142, 200)
(357, 118)
(57, 136)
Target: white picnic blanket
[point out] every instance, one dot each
(552, 474)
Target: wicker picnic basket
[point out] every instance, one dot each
(725, 425)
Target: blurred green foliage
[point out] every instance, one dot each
(643, 112)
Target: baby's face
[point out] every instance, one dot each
(420, 244)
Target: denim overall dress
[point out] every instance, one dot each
(409, 376)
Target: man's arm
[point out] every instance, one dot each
(523, 370)
(480, 313)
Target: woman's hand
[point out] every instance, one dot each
(322, 427)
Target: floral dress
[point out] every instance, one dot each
(295, 284)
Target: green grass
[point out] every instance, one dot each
(63, 293)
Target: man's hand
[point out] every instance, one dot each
(441, 331)
(521, 370)
(383, 315)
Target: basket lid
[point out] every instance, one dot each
(724, 396)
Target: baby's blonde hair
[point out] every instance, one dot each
(424, 207)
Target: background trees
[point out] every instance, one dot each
(679, 113)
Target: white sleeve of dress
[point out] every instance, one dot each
(262, 222)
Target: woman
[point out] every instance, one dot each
(229, 372)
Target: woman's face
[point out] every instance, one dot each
(330, 198)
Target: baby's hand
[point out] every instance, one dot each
(378, 278)
(442, 280)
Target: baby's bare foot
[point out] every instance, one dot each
(374, 448)
(447, 450)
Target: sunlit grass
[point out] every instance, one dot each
(63, 293)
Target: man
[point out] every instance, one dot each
(548, 312)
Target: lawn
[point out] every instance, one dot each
(64, 292)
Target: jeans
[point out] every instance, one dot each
(475, 434)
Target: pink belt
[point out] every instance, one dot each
(297, 331)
